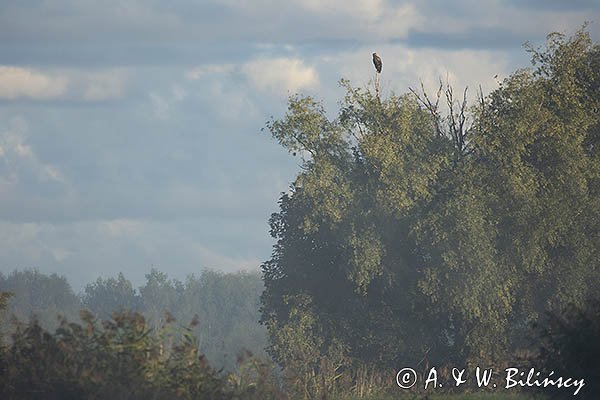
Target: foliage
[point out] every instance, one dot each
(414, 236)
(566, 342)
(123, 358)
(226, 306)
(40, 296)
(112, 359)
(4, 297)
(106, 296)
(411, 237)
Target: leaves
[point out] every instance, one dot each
(419, 234)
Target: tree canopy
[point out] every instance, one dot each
(420, 234)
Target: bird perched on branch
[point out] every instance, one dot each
(377, 62)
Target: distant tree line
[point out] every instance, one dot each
(226, 306)
(122, 357)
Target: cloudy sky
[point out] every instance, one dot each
(130, 131)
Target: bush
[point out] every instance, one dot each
(568, 344)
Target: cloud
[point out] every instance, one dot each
(363, 9)
(473, 24)
(277, 75)
(163, 105)
(299, 20)
(29, 184)
(209, 69)
(398, 22)
(85, 250)
(66, 84)
(483, 38)
(102, 188)
(405, 67)
(556, 4)
(19, 163)
(71, 32)
(280, 75)
(16, 83)
(462, 68)
(100, 86)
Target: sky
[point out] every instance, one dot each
(130, 131)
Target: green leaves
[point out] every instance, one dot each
(116, 358)
(366, 258)
(443, 231)
(306, 128)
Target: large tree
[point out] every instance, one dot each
(415, 234)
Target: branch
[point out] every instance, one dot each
(433, 108)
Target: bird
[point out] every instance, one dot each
(377, 62)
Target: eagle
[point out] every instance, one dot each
(377, 62)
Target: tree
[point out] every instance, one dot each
(4, 297)
(226, 306)
(159, 295)
(227, 309)
(36, 295)
(345, 256)
(106, 296)
(413, 235)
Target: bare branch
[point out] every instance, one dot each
(457, 119)
(433, 108)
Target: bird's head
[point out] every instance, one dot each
(374, 54)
